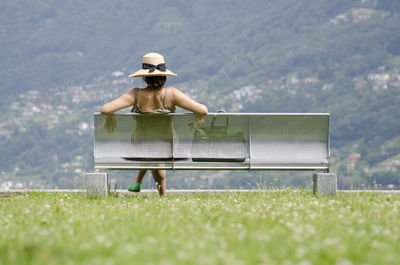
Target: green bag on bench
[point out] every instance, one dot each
(218, 143)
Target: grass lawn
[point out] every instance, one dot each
(281, 227)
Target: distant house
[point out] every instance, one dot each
(354, 15)
(310, 80)
(83, 126)
(352, 160)
(46, 106)
(360, 83)
(117, 74)
(14, 105)
(62, 107)
(293, 81)
(35, 109)
(391, 166)
(5, 134)
(77, 90)
(378, 77)
(360, 14)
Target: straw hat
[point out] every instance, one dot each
(153, 64)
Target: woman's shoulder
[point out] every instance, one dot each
(132, 93)
(133, 90)
(172, 90)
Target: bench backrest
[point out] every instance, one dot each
(288, 141)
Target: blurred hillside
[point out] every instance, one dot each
(60, 61)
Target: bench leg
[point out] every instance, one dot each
(96, 184)
(325, 183)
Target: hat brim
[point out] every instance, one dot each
(145, 72)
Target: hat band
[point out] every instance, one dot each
(153, 67)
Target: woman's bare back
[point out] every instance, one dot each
(152, 99)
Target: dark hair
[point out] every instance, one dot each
(155, 82)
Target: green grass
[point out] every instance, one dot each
(281, 227)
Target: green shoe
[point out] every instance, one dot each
(135, 187)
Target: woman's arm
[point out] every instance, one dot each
(184, 102)
(123, 101)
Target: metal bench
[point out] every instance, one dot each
(246, 141)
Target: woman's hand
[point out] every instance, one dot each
(111, 123)
(200, 118)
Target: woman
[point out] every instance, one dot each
(155, 98)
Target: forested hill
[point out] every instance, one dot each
(60, 60)
(51, 43)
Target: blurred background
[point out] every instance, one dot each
(61, 60)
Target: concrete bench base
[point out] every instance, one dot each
(325, 183)
(96, 184)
